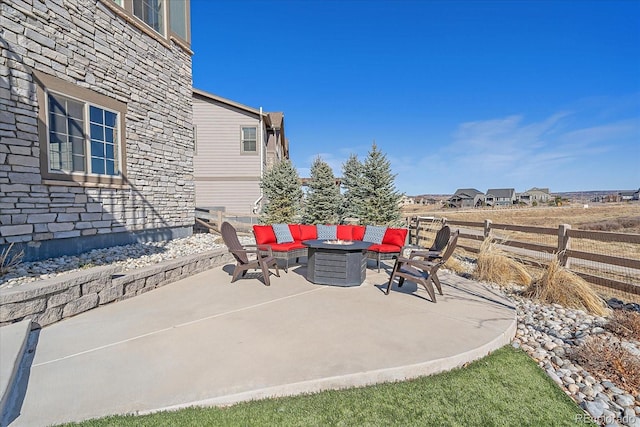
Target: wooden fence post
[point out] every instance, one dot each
(219, 220)
(487, 228)
(564, 243)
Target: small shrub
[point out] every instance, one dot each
(558, 285)
(609, 360)
(493, 265)
(8, 260)
(625, 324)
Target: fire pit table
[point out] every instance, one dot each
(336, 262)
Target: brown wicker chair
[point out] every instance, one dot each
(241, 254)
(422, 271)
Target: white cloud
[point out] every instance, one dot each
(511, 152)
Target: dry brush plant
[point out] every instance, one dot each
(9, 260)
(493, 265)
(557, 285)
(625, 324)
(609, 360)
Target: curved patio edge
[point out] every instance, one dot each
(359, 379)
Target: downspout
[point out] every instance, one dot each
(257, 202)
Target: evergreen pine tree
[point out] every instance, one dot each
(281, 186)
(323, 197)
(381, 200)
(352, 183)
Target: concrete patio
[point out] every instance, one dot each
(206, 341)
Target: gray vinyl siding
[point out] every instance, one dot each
(236, 196)
(224, 176)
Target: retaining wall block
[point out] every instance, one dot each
(94, 286)
(18, 310)
(63, 297)
(172, 275)
(49, 316)
(133, 287)
(154, 279)
(110, 293)
(145, 289)
(84, 303)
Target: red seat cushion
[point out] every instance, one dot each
(395, 236)
(384, 248)
(345, 232)
(357, 232)
(286, 247)
(295, 231)
(308, 232)
(264, 234)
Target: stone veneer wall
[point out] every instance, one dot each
(48, 301)
(86, 43)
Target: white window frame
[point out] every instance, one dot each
(242, 140)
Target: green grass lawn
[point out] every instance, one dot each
(506, 388)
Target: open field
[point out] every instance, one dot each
(618, 217)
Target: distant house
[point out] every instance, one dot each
(500, 197)
(537, 195)
(96, 135)
(629, 195)
(407, 200)
(466, 198)
(235, 145)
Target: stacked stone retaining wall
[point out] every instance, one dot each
(49, 301)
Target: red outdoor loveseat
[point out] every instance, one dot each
(387, 241)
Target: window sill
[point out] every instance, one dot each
(115, 186)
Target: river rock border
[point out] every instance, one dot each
(51, 300)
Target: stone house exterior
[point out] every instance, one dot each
(235, 145)
(96, 134)
(500, 197)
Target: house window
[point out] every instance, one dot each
(249, 140)
(151, 12)
(82, 137)
(162, 19)
(178, 12)
(81, 133)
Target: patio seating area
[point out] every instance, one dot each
(206, 341)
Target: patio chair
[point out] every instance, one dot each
(422, 271)
(241, 254)
(435, 251)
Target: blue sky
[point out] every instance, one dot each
(457, 94)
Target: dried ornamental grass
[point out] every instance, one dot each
(558, 285)
(493, 265)
(455, 265)
(9, 260)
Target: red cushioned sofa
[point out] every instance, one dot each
(392, 242)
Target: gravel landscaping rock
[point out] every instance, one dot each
(548, 333)
(128, 257)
